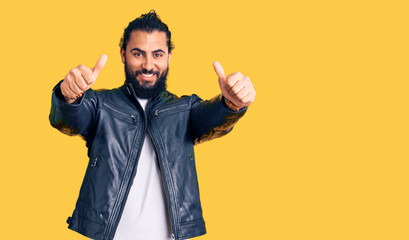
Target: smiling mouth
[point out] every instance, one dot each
(147, 77)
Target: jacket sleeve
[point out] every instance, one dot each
(212, 118)
(75, 118)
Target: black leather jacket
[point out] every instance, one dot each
(113, 124)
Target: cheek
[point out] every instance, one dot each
(163, 66)
(133, 62)
(134, 67)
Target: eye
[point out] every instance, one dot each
(137, 54)
(158, 55)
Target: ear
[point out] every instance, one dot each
(122, 52)
(170, 55)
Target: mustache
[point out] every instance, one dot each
(144, 71)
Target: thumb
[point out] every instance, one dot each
(99, 65)
(219, 70)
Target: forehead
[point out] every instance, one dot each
(147, 41)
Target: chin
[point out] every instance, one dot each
(147, 84)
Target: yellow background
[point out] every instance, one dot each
(322, 153)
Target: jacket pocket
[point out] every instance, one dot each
(172, 108)
(129, 117)
(88, 177)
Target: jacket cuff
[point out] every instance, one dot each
(229, 109)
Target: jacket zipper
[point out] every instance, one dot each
(133, 118)
(112, 229)
(169, 205)
(171, 219)
(163, 182)
(92, 170)
(157, 111)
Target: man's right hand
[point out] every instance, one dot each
(80, 79)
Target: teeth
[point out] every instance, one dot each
(147, 75)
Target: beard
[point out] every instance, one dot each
(144, 90)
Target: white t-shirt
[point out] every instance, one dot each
(145, 215)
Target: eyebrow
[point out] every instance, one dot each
(142, 51)
(159, 50)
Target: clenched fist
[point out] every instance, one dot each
(236, 88)
(80, 79)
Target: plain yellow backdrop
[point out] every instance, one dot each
(321, 154)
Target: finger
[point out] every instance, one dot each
(75, 76)
(68, 82)
(239, 85)
(249, 98)
(81, 83)
(231, 81)
(74, 87)
(99, 65)
(66, 90)
(87, 76)
(242, 93)
(219, 70)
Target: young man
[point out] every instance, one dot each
(141, 180)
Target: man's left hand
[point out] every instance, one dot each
(236, 88)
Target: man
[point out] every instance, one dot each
(141, 180)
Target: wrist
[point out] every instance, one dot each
(70, 100)
(231, 105)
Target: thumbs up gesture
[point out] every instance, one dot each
(81, 79)
(236, 88)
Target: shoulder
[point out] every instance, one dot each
(191, 100)
(170, 97)
(103, 92)
(100, 96)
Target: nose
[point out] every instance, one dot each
(148, 63)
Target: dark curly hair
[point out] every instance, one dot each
(148, 22)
